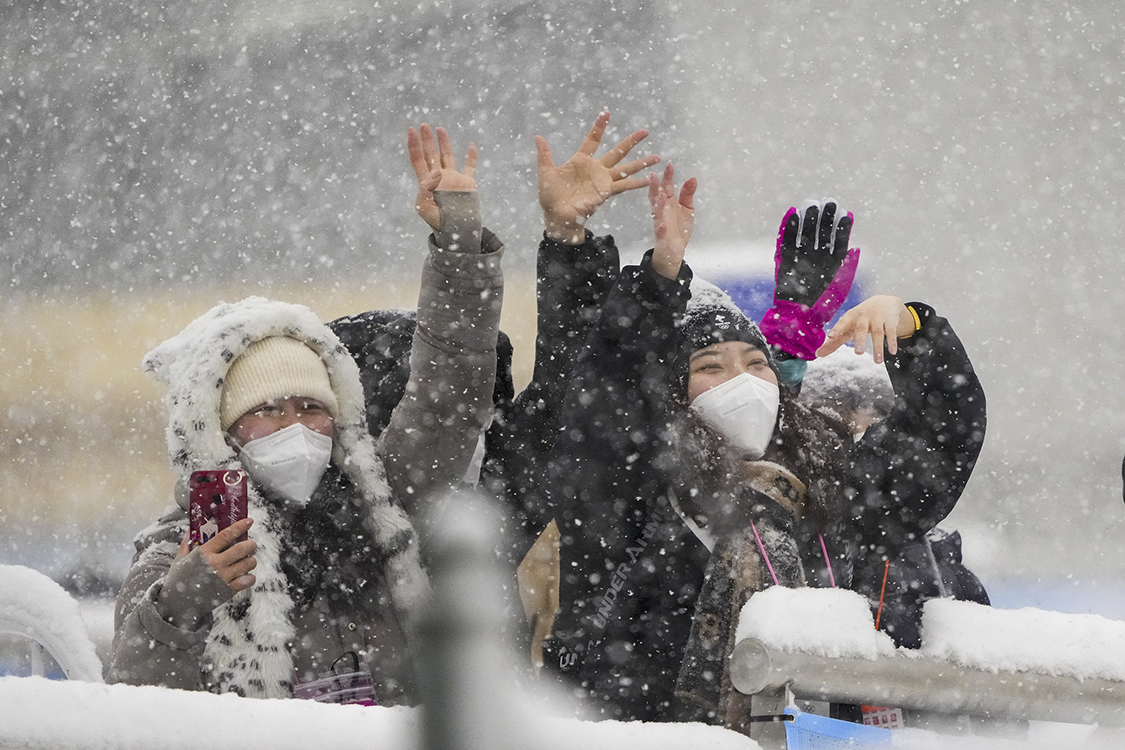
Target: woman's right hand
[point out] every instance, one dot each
(231, 560)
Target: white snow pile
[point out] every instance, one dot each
(34, 606)
(1082, 646)
(834, 623)
(44, 713)
(40, 713)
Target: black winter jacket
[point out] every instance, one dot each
(632, 569)
(572, 282)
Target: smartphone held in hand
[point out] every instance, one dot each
(217, 499)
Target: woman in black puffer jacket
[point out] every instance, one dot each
(668, 518)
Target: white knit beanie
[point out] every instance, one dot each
(277, 367)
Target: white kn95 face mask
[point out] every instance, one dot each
(288, 463)
(743, 410)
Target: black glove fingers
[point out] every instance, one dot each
(789, 236)
(808, 231)
(843, 234)
(827, 224)
(814, 244)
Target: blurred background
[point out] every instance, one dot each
(158, 157)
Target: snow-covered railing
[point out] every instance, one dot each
(36, 608)
(821, 644)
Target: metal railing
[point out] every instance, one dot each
(939, 691)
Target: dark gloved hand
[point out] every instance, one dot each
(814, 270)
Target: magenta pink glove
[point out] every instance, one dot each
(814, 270)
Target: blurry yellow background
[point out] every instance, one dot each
(82, 426)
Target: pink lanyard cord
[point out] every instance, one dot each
(765, 556)
(769, 565)
(827, 561)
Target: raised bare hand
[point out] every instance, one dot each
(884, 318)
(436, 169)
(570, 193)
(672, 221)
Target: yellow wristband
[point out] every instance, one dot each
(917, 320)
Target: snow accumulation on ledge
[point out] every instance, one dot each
(84, 713)
(836, 623)
(33, 605)
(41, 713)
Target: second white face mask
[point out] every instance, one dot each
(288, 463)
(743, 410)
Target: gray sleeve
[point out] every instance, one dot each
(434, 430)
(460, 229)
(163, 617)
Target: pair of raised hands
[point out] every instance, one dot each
(569, 193)
(814, 268)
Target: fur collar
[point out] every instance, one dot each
(248, 649)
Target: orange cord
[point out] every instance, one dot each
(879, 614)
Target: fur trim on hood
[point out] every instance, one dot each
(248, 648)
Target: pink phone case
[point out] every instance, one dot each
(218, 499)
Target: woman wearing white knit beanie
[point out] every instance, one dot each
(329, 582)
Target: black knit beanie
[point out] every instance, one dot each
(712, 317)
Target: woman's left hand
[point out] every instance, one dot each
(884, 318)
(672, 221)
(436, 169)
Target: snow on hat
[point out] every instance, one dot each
(712, 317)
(273, 368)
(846, 384)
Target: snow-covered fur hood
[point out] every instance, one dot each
(193, 365)
(248, 647)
